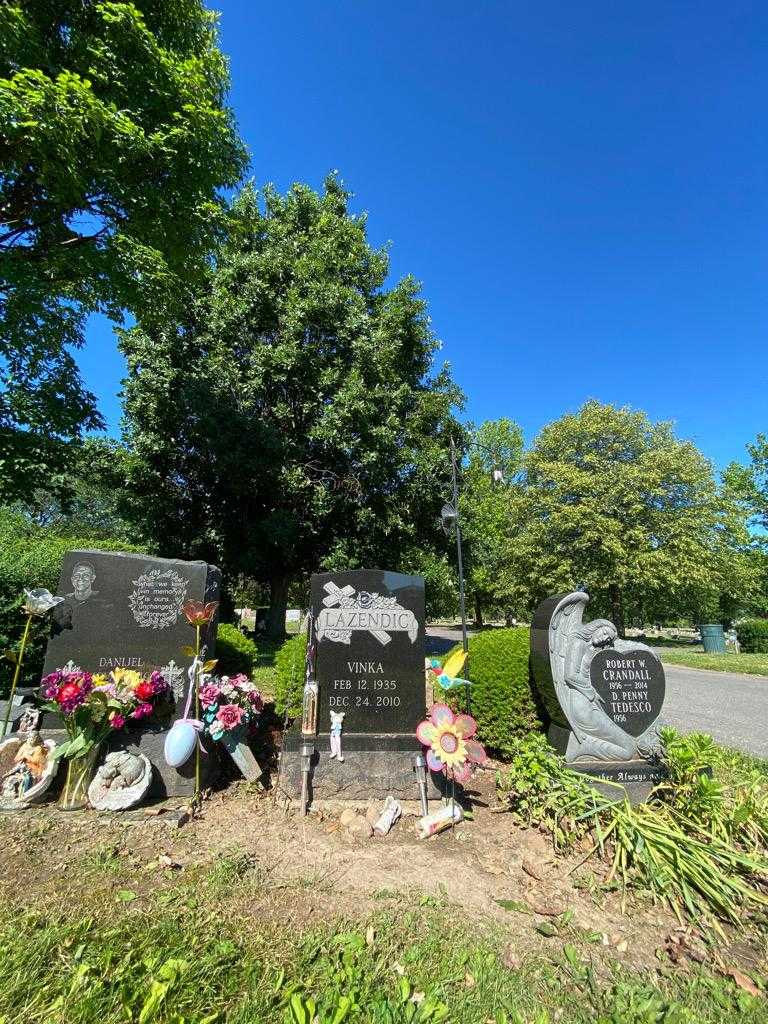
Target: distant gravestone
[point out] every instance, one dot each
(125, 611)
(602, 695)
(368, 630)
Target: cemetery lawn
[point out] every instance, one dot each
(747, 664)
(252, 915)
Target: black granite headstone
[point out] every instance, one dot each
(125, 611)
(631, 686)
(368, 631)
(369, 636)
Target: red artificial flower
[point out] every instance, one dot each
(145, 691)
(68, 692)
(199, 614)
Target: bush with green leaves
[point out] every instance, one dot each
(695, 845)
(235, 652)
(503, 701)
(289, 662)
(753, 636)
(31, 556)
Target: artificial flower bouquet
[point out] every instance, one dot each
(229, 704)
(92, 706)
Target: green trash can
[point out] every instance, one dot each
(713, 638)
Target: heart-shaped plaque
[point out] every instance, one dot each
(631, 685)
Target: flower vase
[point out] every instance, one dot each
(80, 772)
(237, 748)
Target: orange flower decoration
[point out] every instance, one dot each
(199, 614)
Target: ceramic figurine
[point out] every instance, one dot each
(33, 767)
(337, 718)
(121, 782)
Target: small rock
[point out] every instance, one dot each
(533, 870)
(360, 827)
(621, 947)
(347, 817)
(372, 814)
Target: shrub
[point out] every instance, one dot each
(289, 687)
(31, 556)
(502, 697)
(235, 651)
(753, 636)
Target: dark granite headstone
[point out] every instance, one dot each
(369, 636)
(125, 611)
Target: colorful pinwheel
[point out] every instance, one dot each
(448, 737)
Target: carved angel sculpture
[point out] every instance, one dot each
(595, 736)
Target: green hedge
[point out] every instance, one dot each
(235, 652)
(289, 687)
(31, 556)
(753, 636)
(502, 698)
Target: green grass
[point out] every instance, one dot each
(750, 664)
(187, 955)
(265, 674)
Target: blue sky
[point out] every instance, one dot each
(581, 188)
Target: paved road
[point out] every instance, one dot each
(731, 708)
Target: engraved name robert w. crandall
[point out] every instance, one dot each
(633, 671)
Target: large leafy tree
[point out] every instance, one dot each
(618, 503)
(292, 419)
(493, 457)
(114, 142)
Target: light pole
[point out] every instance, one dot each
(451, 522)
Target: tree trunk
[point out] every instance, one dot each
(278, 601)
(478, 612)
(617, 607)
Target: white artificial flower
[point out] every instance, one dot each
(40, 601)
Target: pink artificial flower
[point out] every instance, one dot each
(209, 695)
(240, 681)
(142, 711)
(116, 720)
(230, 716)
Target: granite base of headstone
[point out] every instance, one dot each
(374, 767)
(368, 632)
(603, 697)
(125, 611)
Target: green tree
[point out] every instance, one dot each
(618, 503)
(114, 142)
(292, 421)
(484, 502)
(91, 498)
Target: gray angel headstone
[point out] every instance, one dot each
(603, 695)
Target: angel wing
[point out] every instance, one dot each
(566, 619)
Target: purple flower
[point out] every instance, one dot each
(159, 683)
(256, 700)
(116, 720)
(142, 711)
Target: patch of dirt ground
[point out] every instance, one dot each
(304, 870)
